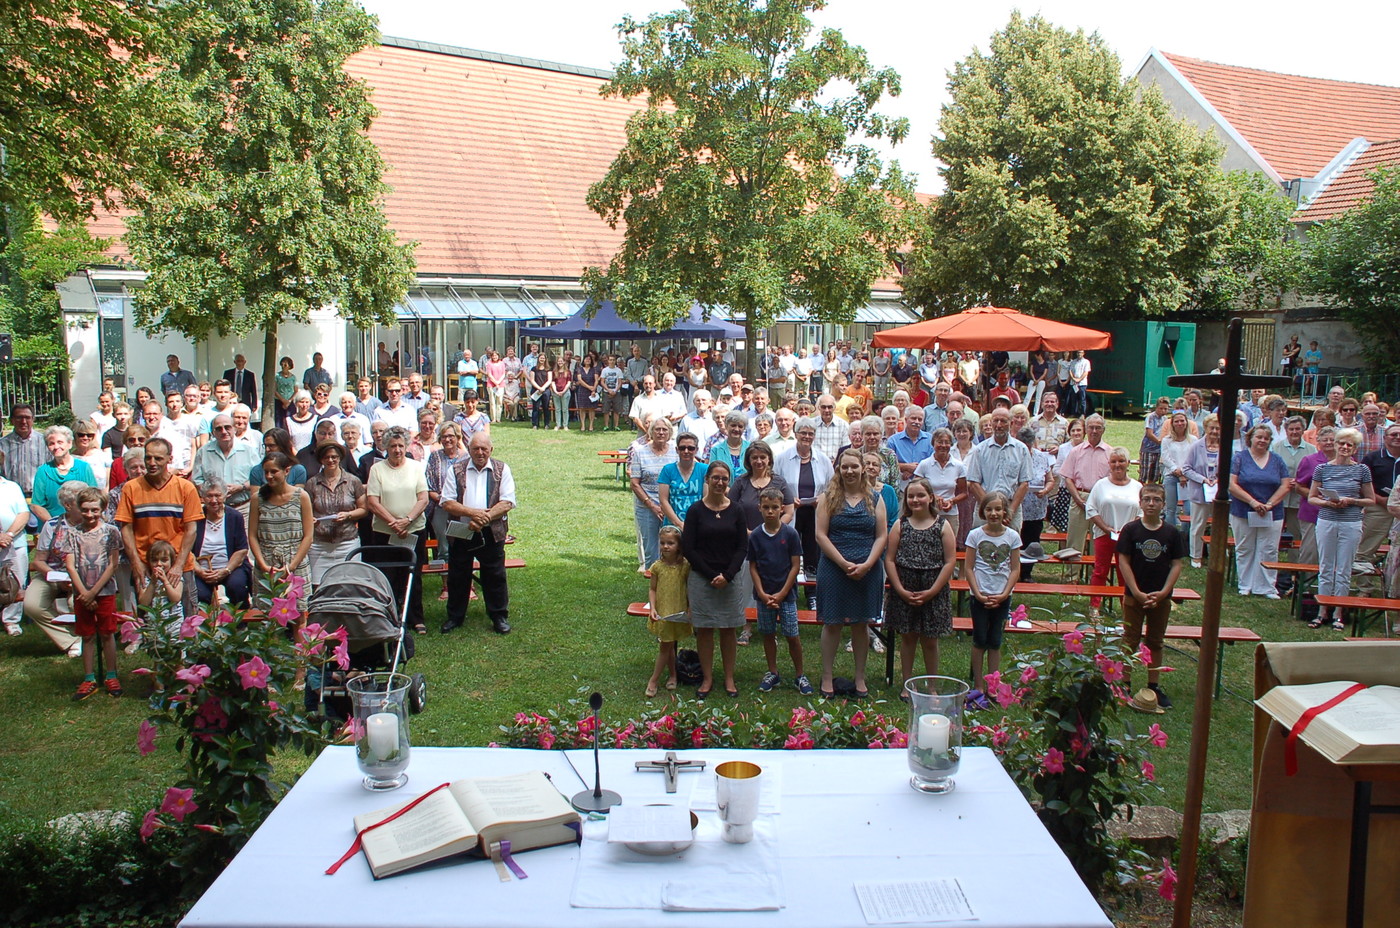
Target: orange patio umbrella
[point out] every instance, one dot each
(994, 328)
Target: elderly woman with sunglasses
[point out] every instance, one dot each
(682, 482)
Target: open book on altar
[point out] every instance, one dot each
(1364, 728)
(469, 816)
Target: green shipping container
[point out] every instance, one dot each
(1143, 356)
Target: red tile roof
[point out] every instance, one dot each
(1351, 186)
(1298, 124)
(489, 160)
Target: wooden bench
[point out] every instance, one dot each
(963, 624)
(1304, 575)
(439, 568)
(616, 458)
(1364, 611)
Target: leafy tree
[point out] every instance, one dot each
(1353, 263)
(1069, 192)
(1262, 258)
(80, 101)
(740, 184)
(284, 211)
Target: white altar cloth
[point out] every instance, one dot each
(846, 816)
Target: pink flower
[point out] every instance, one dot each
(546, 740)
(1145, 655)
(1003, 693)
(253, 673)
(209, 718)
(1019, 613)
(149, 823)
(1113, 671)
(341, 655)
(798, 742)
(283, 610)
(130, 632)
(146, 737)
(1001, 738)
(876, 745)
(697, 738)
(898, 739)
(1054, 761)
(1149, 772)
(1029, 675)
(179, 803)
(296, 586)
(587, 724)
(193, 676)
(142, 671)
(212, 829)
(189, 627)
(1074, 642)
(1168, 888)
(273, 707)
(858, 718)
(225, 618)
(1156, 737)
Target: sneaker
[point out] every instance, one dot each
(804, 686)
(1163, 699)
(113, 686)
(876, 644)
(744, 635)
(1196, 562)
(850, 646)
(1272, 594)
(770, 680)
(84, 690)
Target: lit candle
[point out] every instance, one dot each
(933, 733)
(382, 730)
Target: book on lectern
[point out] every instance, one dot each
(469, 816)
(1364, 728)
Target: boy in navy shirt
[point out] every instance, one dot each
(775, 555)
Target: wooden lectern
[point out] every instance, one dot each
(1302, 827)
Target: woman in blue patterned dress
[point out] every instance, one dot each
(851, 527)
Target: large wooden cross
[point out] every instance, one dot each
(1229, 383)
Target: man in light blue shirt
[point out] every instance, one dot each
(1000, 464)
(936, 413)
(910, 446)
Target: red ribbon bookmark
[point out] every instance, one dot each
(1290, 744)
(359, 835)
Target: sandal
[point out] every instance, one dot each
(1317, 622)
(670, 684)
(1339, 625)
(650, 691)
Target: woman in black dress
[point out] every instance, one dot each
(715, 541)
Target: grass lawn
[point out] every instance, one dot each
(575, 531)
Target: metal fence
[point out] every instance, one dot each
(34, 381)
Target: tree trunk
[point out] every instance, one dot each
(269, 416)
(751, 353)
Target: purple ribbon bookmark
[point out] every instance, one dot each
(500, 853)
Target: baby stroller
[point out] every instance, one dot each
(356, 595)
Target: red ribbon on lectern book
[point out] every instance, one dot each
(359, 835)
(1290, 744)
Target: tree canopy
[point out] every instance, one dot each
(740, 183)
(81, 103)
(283, 212)
(1262, 258)
(1353, 263)
(1069, 191)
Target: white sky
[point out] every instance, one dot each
(922, 40)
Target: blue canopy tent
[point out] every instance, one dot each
(605, 323)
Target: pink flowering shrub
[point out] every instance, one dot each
(229, 706)
(1065, 734)
(698, 725)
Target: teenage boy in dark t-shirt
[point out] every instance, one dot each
(775, 556)
(1150, 556)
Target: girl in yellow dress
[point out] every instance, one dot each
(670, 607)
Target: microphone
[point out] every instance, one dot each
(597, 799)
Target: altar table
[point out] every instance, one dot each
(843, 817)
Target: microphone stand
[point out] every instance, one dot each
(597, 799)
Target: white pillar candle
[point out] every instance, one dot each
(382, 730)
(933, 733)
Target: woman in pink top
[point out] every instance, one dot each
(496, 384)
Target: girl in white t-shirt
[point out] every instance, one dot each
(994, 555)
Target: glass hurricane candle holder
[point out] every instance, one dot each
(935, 731)
(380, 704)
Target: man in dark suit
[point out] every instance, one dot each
(244, 382)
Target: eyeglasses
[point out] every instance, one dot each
(391, 390)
